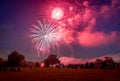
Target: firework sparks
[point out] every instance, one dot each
(48, 35)
(45, 36)
(57, 13)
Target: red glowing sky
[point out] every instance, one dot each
(89, 28)
(89, 37)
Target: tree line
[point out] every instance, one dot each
(16, 60)
(106, 63)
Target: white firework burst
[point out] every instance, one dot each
(45, 36)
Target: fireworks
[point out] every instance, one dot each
(57, 13)
(45, 36)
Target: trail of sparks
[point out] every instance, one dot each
(45, 36)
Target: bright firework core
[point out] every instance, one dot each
(57, 13)
(45, 36)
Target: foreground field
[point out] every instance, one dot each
(56, 74)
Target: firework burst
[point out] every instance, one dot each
(45, 36)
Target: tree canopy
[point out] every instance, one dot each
(51, 60)
(15, 59)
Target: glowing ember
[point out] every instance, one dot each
(57, 13)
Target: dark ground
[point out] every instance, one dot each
(56, 74)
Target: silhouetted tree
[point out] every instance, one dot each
(15, 59)
(82, 66)
(51, 60)
(98, 63)
(91, 65)
(87, 65)
(109, 62)
(1, 62)
(104, 65)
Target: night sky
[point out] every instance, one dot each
(95, 27)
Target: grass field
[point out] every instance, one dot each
(56, 74)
